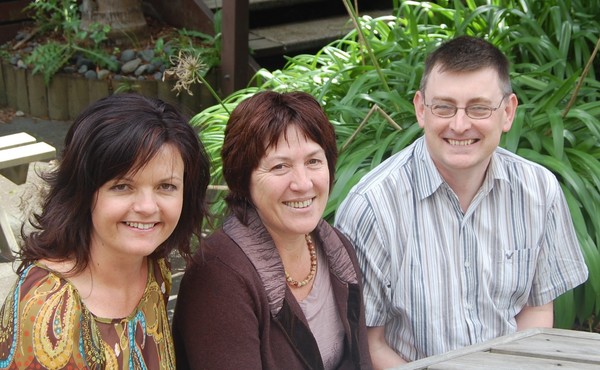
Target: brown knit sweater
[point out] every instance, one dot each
(235, 311)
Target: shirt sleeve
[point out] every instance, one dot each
(215, 324)
(355, 218)
(561, 266)
(39, 322)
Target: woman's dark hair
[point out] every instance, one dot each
(255, 125)
(112, 137)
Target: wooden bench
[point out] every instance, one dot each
(17, 151)
(8, 242)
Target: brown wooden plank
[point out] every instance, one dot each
(190, 14)
(3, 100)
(289, 38)
(165, 92)
(234, 57)
(10, 80)
(11, 11)
(38, 95)
(147, 88)
(494, 361)
(206, 97)
(77, 92)
(9, 31)
(22, 94)
(192, 104)
(98, 89)
(58, 100)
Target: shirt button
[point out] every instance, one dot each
(467, 264)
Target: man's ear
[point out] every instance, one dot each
(510, 110)
(418, 102)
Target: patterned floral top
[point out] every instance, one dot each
(45, 324)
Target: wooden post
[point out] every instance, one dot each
(22, 97)
(77, 93)
(234, 57)
(3, 95)
(58, 100)
(37, 95)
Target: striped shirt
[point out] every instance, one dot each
(440, 279)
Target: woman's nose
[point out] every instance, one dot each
(301, 180)
(145, 202)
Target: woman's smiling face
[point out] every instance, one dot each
(133, 215)
(290, 186)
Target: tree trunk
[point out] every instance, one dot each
(125, 18)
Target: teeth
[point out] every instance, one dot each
(139, 225)
(303, 204)
(461, 142)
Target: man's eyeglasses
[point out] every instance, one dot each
(476, 111)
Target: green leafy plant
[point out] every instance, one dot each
(53, 15)
(366, 81)
(61, 17)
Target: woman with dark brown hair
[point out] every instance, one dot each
(276, 287)
(94, 281)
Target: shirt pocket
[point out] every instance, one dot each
(511, 277)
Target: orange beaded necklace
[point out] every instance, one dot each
(313, 266)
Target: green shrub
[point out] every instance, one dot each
(366, 82)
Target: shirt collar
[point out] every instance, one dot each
(257, 244)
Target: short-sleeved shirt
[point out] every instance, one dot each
(439, 278)
(45, 324)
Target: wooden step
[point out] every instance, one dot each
(261, 4)
(291, 38)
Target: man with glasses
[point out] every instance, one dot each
(459, 241)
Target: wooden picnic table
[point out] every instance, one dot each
(528, 349)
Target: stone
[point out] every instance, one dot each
(21, 35)
(146, 55)
(127, 55)
(150, 68)
(141, 70)
(82, 61)
(131, 66)
(91, 75)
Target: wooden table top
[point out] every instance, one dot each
(529, 349)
